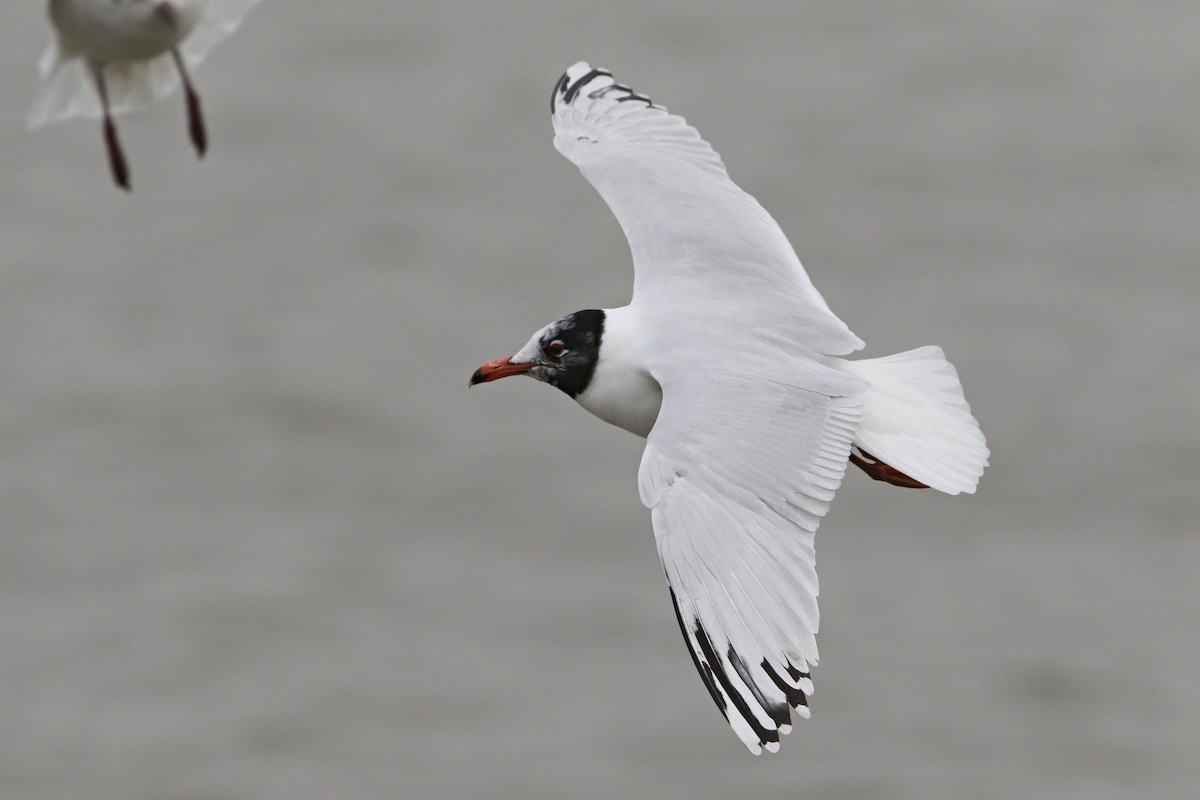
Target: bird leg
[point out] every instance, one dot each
(116, 157)
(881, 471)
(195, 115)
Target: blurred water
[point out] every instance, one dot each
(259, 541)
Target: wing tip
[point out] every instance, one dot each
(757, 719)
(570, 86)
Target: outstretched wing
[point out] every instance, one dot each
(693, 233)
(736, 502)
(220, 19)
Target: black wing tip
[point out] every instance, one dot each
(778, 712)
(574, 89)
(559, 88)
(706, 672)
(566, 90)
(795, 697)
(716, 678)
(715, 673)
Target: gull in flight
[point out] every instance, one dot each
(113, 56)
(732, 366)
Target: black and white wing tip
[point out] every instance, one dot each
(595, 118)
(756, 700)
(582, 78)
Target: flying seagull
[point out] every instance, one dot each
(732, 366)
(113, 56)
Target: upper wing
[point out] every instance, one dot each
(736, 502)
(220, 19)
(690, 228)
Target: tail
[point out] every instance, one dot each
(916, 420)
(68, 89)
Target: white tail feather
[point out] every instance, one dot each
(70, 90)
(916, 420)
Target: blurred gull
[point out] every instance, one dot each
(113, 56)
(729, 362)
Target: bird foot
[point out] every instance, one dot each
(881, 471)
(116, 157)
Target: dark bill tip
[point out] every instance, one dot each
(500, 368)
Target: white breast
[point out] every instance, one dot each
(126, 31)
(622, 391)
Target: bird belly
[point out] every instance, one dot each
(107, 32)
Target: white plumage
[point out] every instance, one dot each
(730, 362)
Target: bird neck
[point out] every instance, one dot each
(622, 391)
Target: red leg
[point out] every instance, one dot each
(116, 157)
(195, 115)
(883, 472)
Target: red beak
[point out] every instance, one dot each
(500, 368)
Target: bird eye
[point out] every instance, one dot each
(556, 349)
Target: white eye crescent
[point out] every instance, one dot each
(556, 349)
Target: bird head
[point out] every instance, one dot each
(562, 354)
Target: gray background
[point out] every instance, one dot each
(260, 541)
